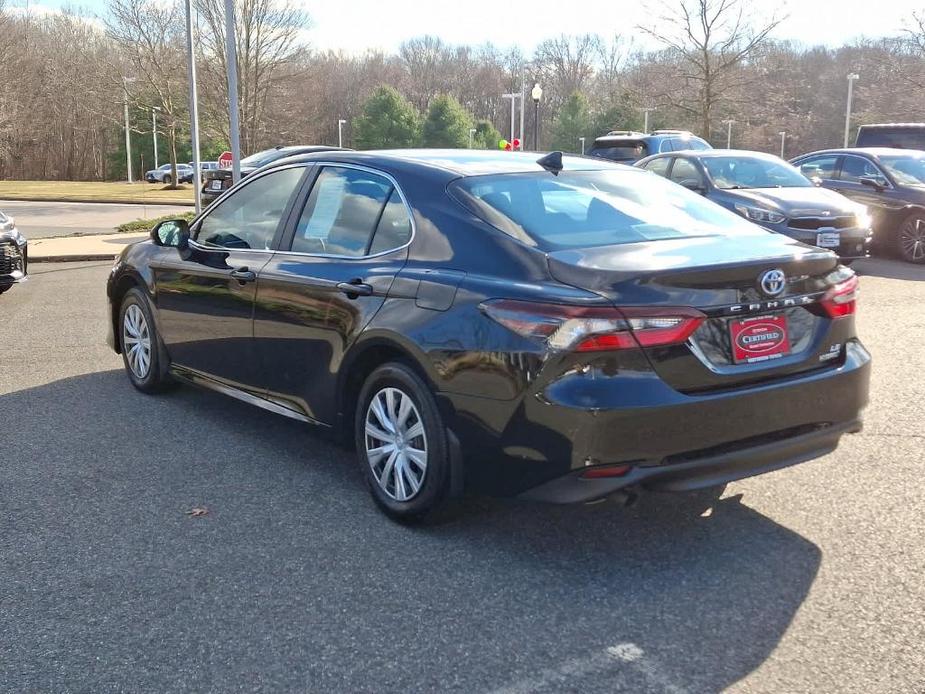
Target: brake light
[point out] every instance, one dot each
(605, 471)
(841, 299)
(594, 329)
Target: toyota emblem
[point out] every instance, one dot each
(772, 282)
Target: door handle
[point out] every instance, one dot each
(355, 288)
(242, 274)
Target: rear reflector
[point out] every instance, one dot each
(604, 471)
(594, 329)
(841, 300)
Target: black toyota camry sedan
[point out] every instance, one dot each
(561, 329)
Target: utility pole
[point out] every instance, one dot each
(851, 78)
(231, 60)
(582, 140)
(193, 108)
(729, 123)
(340, 132)
(783, 139)
(645, 111)
(513, 96)
(523, 91)
(154, 111)
(128, 131)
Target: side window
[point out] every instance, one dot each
(342, 212)
(394, 229)
(853, 168)
(249, 218)
(696, 144)
(666, 146)
(659, 166)
(819, 167)
(684, 172)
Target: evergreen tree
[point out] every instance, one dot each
(388, 121)
(573, 122)
(447, 124)
(486, 136)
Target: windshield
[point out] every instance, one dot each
(753, 172)
(908, 170)
(260, 158)
(581, 209)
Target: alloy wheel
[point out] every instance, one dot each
(136, 341)
(396, 445)
(912, 240)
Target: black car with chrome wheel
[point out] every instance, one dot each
(561, 329)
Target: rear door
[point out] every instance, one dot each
(349, 239)
(205, 298)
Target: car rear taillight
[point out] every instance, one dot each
(605, 471)
(841, 299)
(594, 329)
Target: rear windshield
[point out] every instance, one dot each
(581, 209)
(620, 151)
(904, 138)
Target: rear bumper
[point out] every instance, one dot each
(541, 445)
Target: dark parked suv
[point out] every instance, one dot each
(563, 329)
(895, 135)
(768, 191)
(890, 182)
(627, 147)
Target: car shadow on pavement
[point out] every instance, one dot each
(889, 269)
(292, 580)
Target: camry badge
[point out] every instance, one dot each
(772, 282)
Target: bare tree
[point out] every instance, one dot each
(710, 40)
(149, 38)
(271, 48)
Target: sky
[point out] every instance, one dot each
(355, 25)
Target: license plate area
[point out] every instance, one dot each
(215, 185)
(758, 339)
(828, 239)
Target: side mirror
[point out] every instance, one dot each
(877, 184)
(174, 233)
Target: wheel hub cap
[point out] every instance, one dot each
(396, 445)
(136, 341)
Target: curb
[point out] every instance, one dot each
(73, 258)
(101, 201)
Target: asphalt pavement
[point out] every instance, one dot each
(39, 220)
(809, 579)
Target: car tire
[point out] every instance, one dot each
(142, 350)
(168, 179)
(910, 238)
(398, 405)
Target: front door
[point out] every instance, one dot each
(205, 296)
(316, 296)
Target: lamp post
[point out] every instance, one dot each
(851, 78)
(536, 94)
(729, 123)
(340, 132)
(783, 140)
(471, 133)
(645, 117)
(582, 141)
(231, 61)
(154, 110)
(128, 132)
(193, 109)
(513, 96)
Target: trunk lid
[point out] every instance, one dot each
(721, 277)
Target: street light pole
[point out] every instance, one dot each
(128, 130)
(729, 123)
(193, 109)
(340, 132)
(536, 94)
(231, 62)
(471, 133)
(513, 96)
(645, 117)
(783, 139)
(851, 78)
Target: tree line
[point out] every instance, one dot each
(707, 66)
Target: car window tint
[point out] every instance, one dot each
(854, 168)
(620, 151)
(342, 212)
(659, 166)
(394, 229)
(249, 217)
(819, 167)
(684, 171)
(666, 146)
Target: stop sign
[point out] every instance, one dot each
(225, 160)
